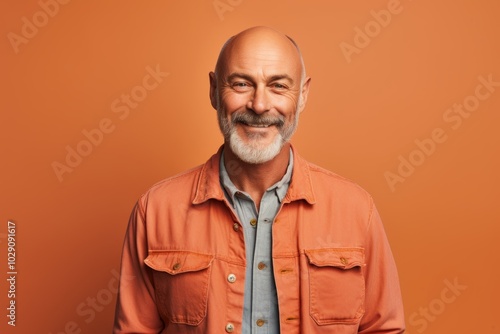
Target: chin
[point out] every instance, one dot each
(255, 154)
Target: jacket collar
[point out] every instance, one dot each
(209, 186)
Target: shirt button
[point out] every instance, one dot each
(229, 327)
(231, 278)
(260, 322)
(261, 265)
(236, 227)
(253, 222)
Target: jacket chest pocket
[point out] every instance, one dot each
(181, 280)
(336, 285)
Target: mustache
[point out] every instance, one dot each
(254, 119)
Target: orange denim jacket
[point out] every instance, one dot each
(183, 261)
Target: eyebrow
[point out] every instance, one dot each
(272, 78)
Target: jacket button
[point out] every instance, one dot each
(231, 278)
(229, 327)
(176, 266)
(343, 260)
(236, 227)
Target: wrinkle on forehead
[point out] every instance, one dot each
(261, 43)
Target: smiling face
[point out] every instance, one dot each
(258, 90)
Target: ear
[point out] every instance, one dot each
(304, 92)
(213, 89)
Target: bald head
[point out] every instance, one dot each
(257, 40)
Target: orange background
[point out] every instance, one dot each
(362, 115)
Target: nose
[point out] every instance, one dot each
(259, 101)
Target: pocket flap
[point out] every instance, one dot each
(177, 262)
(344, 258)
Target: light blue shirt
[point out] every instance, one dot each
(260, 308)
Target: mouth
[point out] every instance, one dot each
(252, 122)
(257, 125)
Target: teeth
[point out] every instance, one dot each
(259, 125)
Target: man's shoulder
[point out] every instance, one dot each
(325, 180)
(176, 185)
(329, 175)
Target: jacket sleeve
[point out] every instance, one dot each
(383, 302)
(136, 310)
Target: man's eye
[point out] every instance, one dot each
(241, 86)
(279, 86)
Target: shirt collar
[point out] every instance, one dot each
(208, 184)
(280, 188)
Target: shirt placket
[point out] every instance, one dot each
(246, 212)
(260, 306)
(264, 306)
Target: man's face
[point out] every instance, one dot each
(259, 97)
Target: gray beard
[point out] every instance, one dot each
(254, 152)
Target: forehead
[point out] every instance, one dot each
(262, 56)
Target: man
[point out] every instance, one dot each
(257, 240)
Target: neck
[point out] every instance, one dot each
(255, 179)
